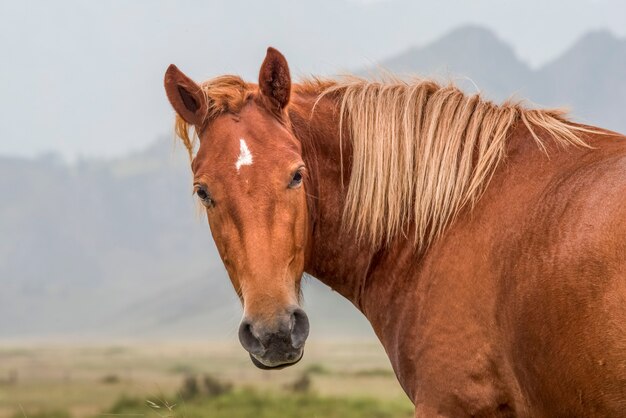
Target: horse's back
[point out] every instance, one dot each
(566, 286)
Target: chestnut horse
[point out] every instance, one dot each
(486, 244)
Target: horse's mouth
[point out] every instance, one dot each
(258, 363)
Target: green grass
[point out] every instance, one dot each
(248, 403)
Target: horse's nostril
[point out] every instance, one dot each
(299, 328)
(248, 339)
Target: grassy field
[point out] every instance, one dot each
(335, 379)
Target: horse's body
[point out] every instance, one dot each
(518, 308)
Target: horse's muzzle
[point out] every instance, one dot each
(277, 346)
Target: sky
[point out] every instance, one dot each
(83, 78)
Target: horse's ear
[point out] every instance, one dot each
(185, 95)
(274, 78)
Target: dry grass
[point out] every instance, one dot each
(79, 379)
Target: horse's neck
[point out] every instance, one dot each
(334, 256)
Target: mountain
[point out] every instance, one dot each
(588, 78)
(468, 55)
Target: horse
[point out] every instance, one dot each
(485, 243)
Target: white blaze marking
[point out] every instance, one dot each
(245, 157)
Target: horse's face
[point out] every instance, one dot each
(248, 173)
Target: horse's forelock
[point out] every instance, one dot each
(224, 94)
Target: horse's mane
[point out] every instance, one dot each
(421, 151)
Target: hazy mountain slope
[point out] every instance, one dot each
(100, 232)
(590, 79)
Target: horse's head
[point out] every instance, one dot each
(248, 173)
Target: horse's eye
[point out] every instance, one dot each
(296, 180)
(204, 196)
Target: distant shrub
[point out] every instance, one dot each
(207, 387)
(190, 388)
(317, 368)
(301, 384)
(110, 379)
(213, 387)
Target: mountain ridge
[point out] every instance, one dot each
(587, 78)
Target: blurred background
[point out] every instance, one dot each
(112, 296)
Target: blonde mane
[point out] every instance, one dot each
(421, 151)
